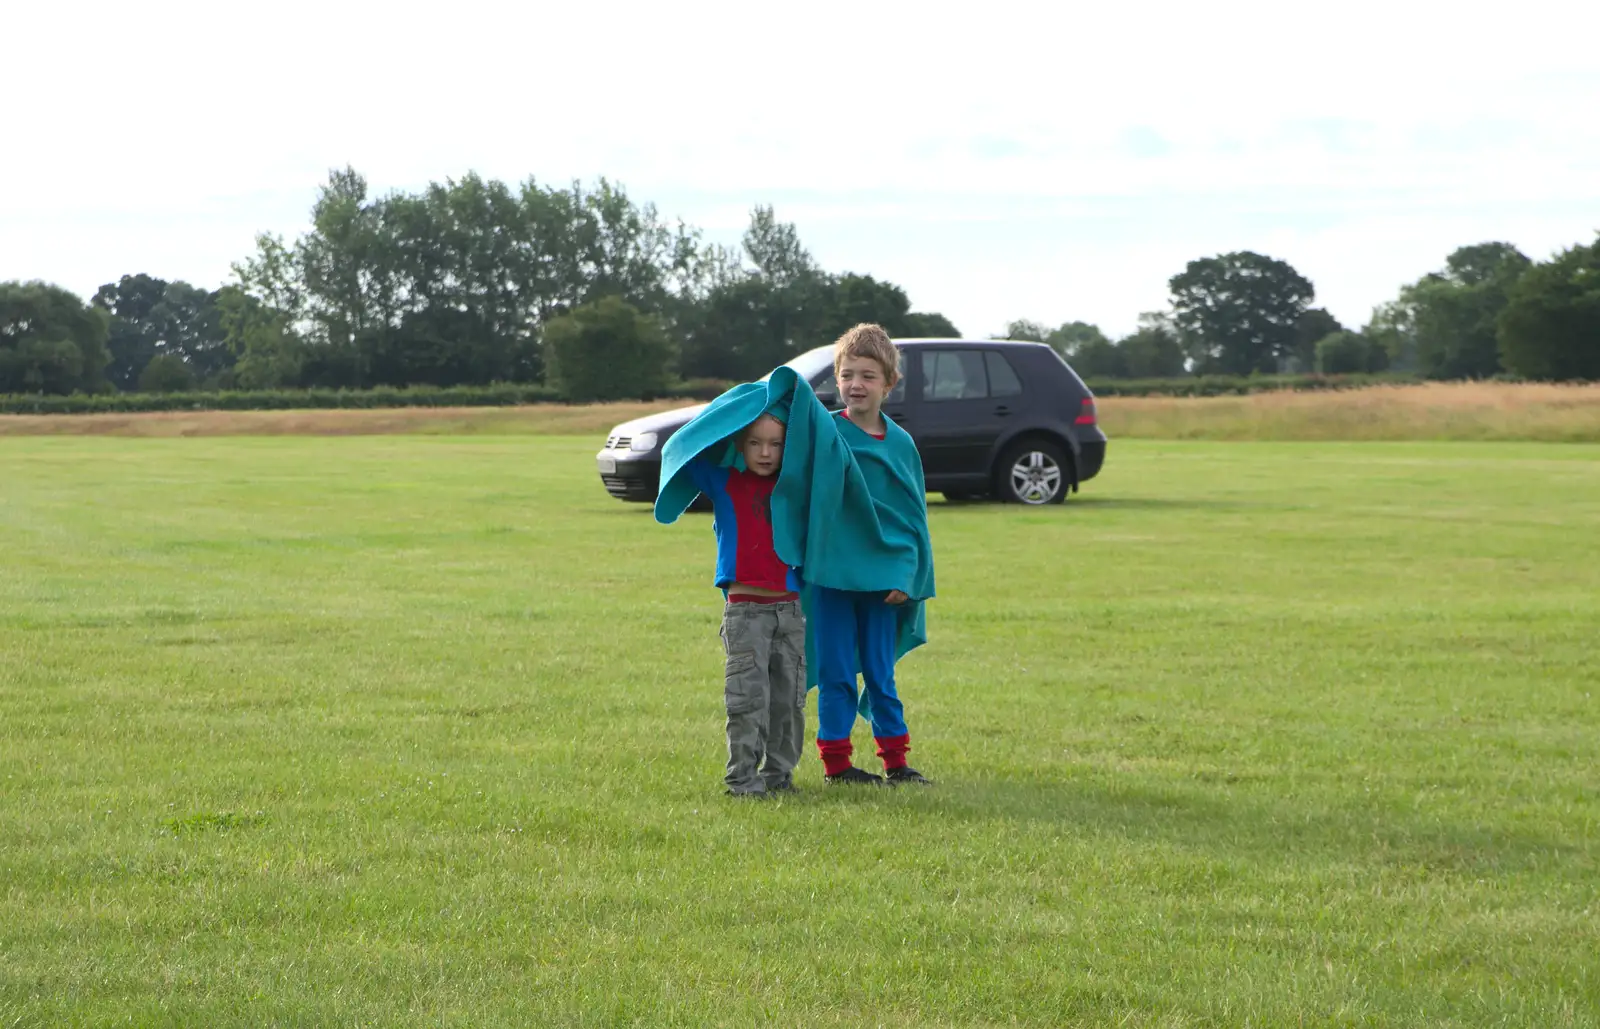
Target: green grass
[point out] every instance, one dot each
(400, 731)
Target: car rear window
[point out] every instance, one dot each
(954, 375)
(1003, 381)
(968, 375)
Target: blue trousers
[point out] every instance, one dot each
(855, 634)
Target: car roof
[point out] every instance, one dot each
(924, 340)
(824, 353)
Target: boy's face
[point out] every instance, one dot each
(763, 446)
(863, 385)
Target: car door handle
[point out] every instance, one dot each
(1002, 410)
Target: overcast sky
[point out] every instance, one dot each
(998, 160)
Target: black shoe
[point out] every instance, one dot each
(906, 774)
(787, 786)
(747, 794)
(853, 776)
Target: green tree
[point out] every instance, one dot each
(166, 373)
(1099, 359)
(1237, 312)
(607, 350)
(151, 317)
(1154, 351)
(272, 275)
(1027, 331)
(764, 315)
(747, 328)
(1091, 353)
(1550, 328)
(1071, 339)
(1453, 315)
(133, 340)
(775, 250)
(453, 284)
(1393, 328)
(861, 298)
(50, 340)
(1312, 325)
(342, 263)
(268, 352)
(1345, 353)
(457, 283)
(930, 325)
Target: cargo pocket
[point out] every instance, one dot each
(740, 691)
(791, 645)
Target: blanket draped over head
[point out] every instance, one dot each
(827, 525)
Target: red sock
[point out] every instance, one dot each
(893, 750)
(835, 755)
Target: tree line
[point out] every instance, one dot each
(1489, 311)
(596, 296)
(467, 282)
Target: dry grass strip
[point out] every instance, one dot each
(1433, 411)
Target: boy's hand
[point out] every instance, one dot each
(895, 597)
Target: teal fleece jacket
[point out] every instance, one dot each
(849, 511)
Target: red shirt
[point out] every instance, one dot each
(755, 561)
(742, 502)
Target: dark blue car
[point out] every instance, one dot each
(992, 418)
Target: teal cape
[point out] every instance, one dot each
(849, 511)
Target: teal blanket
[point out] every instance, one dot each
(849, 511)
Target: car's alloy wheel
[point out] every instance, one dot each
(1032, 474)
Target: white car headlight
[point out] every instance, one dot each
(643, 443)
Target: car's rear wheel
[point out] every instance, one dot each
(1033, 472)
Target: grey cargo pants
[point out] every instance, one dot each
(765, 693)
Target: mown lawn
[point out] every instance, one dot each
(427, 731)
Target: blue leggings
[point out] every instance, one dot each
(855, 633)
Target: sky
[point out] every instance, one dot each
(1001, 160)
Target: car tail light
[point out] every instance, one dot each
(1086, 413)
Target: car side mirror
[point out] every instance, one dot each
(829, 399)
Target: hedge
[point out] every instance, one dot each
(1225, 385)
(507, 394)
(502, 395)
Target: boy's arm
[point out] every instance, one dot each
(697, 471)
(702, 473)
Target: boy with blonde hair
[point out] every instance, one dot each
(864, 632)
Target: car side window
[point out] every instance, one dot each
(829, 383)
(954, 375)
(1003, 381)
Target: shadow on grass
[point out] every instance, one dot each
(1165, 504)
(1238, 827)
(995, 507)
(1100, 504)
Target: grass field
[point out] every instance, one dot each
(426, 731)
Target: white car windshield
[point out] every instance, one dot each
(809, 364)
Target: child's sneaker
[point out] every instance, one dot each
(907, 774)
(853, 776)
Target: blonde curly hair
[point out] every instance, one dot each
(868, 340)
